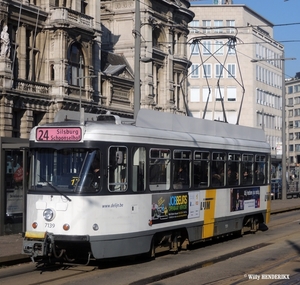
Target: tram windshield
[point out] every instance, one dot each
(65, 170)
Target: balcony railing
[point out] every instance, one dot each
(67, 16)
(32, 87)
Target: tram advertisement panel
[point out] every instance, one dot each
(169, 207)
(245, 199)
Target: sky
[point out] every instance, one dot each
(285, 16)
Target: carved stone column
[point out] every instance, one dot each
(5, 73)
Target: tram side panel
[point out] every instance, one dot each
(124, 226)
(116, 225)
(120, 225)
(208, 213)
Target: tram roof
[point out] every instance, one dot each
(184, 124)
(155, 127)
(167, 121)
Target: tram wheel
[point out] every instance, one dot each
(151, 253)
(255, 225)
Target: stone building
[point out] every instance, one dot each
(54, 46)
(53, 58)
(163, 34)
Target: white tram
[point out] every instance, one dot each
(111, 188)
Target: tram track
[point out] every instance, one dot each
(38, 274)
(197, 265)
(80, 272)
(258, 271)
(277, 262)
(62, 274)
(66, 273)
(275, 265)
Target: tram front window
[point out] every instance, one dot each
(66, 170)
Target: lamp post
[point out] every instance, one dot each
(283, 160)
(81, 110)
(137, 50)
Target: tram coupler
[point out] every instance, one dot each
(36, 244)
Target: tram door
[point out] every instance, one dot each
(13, 192)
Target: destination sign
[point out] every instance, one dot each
(59, 134)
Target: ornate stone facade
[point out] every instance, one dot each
(50, 57)
(163, 33)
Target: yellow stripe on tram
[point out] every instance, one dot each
(209, 204)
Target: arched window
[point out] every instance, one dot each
(75, 71)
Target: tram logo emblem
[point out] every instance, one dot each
(205, 205)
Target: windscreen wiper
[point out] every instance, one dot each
(53, 187)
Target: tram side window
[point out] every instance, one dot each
(260, 169)
(117, 169)
(217, 169)
(160, 169)
(139, 169)
(233, 169)
(201, 166)
(182, 169)
(247, 169)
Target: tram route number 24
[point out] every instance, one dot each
(49, 225)
(42, 135)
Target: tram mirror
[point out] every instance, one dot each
(119, 157)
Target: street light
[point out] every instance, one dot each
(283, 160)
(81, 110)
(137, 47)
(288, 147)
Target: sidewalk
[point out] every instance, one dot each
(11, 245)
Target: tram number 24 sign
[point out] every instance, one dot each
(46, 134)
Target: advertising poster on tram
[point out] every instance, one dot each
(167, 207)
(176, 206)
(244, 199)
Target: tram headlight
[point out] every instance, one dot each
(48, 214)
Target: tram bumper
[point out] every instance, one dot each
(45, 244)
(37, 244)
